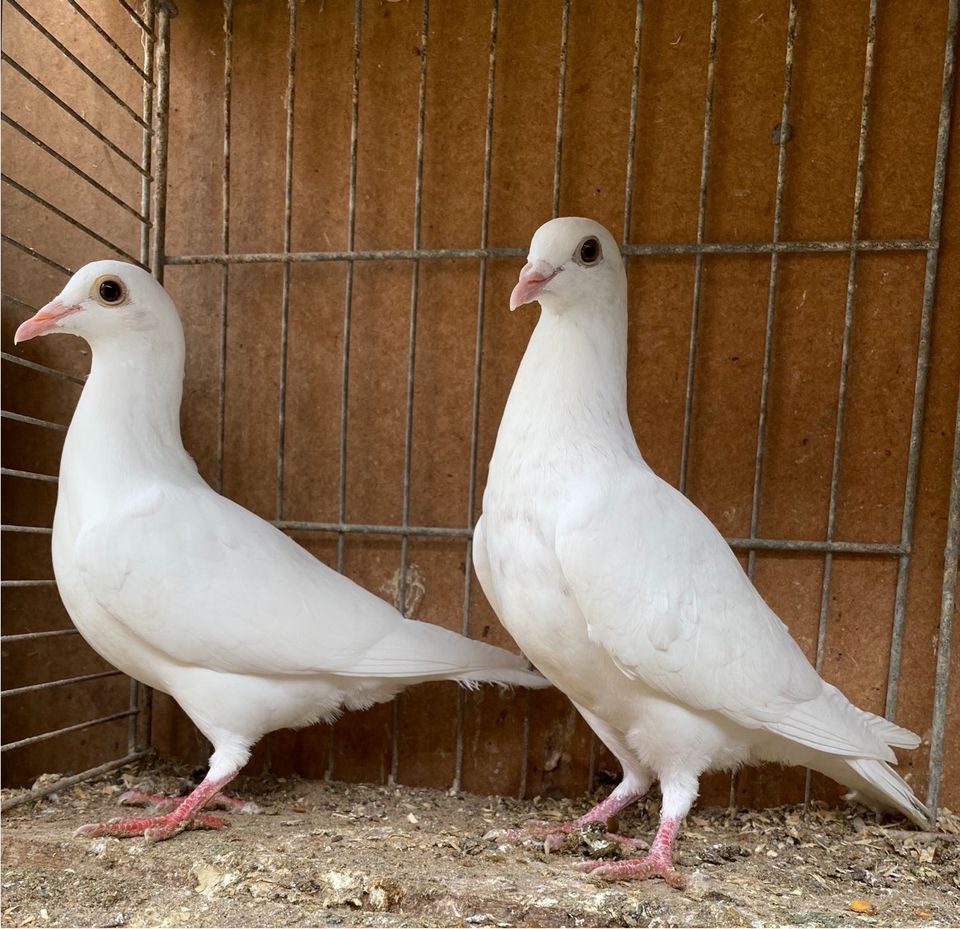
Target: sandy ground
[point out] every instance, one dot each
(347, 855)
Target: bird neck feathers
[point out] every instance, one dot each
(128, 419)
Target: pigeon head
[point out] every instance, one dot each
(572, 262)
(106, 301)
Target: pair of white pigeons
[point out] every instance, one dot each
(615, 586)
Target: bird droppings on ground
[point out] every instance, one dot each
(336, 854)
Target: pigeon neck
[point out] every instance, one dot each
(574, 374)
(128, 417)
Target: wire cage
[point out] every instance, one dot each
(109, 110)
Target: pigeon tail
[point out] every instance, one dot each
(873, 783)
(877, 784)
(418, 651)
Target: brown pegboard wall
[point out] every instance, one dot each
(493, 85)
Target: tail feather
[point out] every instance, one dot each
(419, 651)
(895, 736)
(878, 784)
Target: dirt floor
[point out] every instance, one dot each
(346, 855)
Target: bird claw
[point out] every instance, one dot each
(637, 869)
(163, 804)
(153, 829)
(555, 836)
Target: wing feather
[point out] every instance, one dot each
(664, 594)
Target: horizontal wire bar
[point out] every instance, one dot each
(373, 529)
(33, 253)
(46, 736)
(28, 475)
(801, 545)
(35, 366)
(66, 782)
(70, 111)
(68, 218)
(37, 583)
(653, 248)
(815, 545)
(112, 42)
(28, 530)
(56, 43)
(32, 421)
(64, 682)
(67, 163)
(32, 636)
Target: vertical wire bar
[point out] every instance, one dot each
(287, 223)
(347, 313)
(160, 134)
(948, 605)
(141, 697)
(772, 290)
(627, 221)
(477, 368)
(845, 354)
(771, 313)
(162, 77)
(698, 259)
(561, 105)
(411, 371)
(923, 360)
(632, 132)
(146, 148)
(224, 237)
(555, 211)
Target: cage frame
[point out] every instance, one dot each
(153, 118)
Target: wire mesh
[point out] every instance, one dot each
(153, 23)
(153, 121)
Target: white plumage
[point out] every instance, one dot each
(187, 591)
(623, 593)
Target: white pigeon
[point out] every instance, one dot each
(190, 593)
(624, 594)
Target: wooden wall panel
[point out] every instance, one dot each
(513, 741)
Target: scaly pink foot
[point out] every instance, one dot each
(163, 803)
(153, 828)
(658, 863)
(554, 835)
(187, 815)
(635, 869)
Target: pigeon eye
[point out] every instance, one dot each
(589, 252)
(111, 291)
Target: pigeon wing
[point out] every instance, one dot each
(208, 583)
(664, 595)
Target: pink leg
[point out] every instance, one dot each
(162, 803)
(157, 828)
(657, 863)
(554, 834)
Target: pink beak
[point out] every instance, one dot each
(43, 321)
(533, 278)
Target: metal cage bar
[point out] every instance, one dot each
(698, 262)
(948, 607)
(347, 318)
(923, 360)
(477, 371)
(411, 368)
(224, 237)
(152, 168)
(287, 224)
(155, 103)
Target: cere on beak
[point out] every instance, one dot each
(533, 278)
(43, 321)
